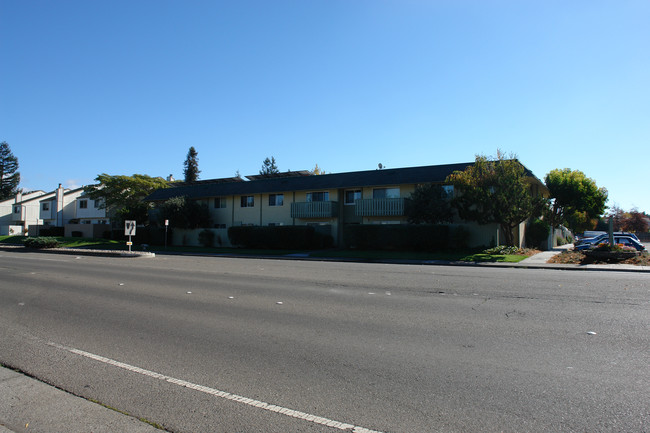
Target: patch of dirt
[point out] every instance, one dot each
(578, 258)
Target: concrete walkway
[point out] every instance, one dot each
(28, 405)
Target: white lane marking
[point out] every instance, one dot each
(222, 394)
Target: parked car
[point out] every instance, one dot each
(627, 241)
(602, 238)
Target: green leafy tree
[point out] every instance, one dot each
(9, 175)
(429, 204)
(123, 196)
(575, 200)
(191, 165)
(495, 191)
(269, 167)
(185, 213)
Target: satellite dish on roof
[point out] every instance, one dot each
(380, 165)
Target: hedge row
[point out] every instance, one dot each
(143, 235)
(279, 237)
(405, 237)
(41, 242)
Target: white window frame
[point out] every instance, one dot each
(83, 204)
(220, 202)
(275, 201)
(325, 196)
(247, 201)
(354, 197)
(386, 192)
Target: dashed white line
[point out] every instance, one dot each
(221, 394)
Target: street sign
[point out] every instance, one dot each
(129, 228)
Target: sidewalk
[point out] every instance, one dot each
(540, 260)
(27, 405)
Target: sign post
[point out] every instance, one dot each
(166, 225)
(129, 230)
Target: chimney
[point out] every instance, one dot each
(59, 205)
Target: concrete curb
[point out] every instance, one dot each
(524, 264)
(80, 251)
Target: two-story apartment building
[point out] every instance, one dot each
(29, 212)
(17, 211)
(330, 200)
(71, 206)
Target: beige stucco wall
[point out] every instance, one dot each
(277, 214)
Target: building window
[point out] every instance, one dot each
(276, 199)
(351, 195)
(378, 193)
(16, 209)
(45, 206)
(449, 190)
(96, 203)
(219, 202)
(83, 204)
(247, 201)
(318, 196)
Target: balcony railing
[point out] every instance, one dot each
(314, 209)
(379, 207)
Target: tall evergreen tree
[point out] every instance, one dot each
(269, 167)
(9, 175)
(192, 166)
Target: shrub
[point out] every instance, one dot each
(42, 242)
(278, 237)
(397, 237)
(502, 250)
(51, 231)
(206, 238)
(459, 238)
(147, 235)
(537, 233)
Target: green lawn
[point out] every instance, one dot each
(106, 244)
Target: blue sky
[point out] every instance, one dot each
(124, 87)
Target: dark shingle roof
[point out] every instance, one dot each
(354, 179)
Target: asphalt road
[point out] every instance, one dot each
(244, 345)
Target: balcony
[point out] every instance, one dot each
(379, 207)
(315, 209)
